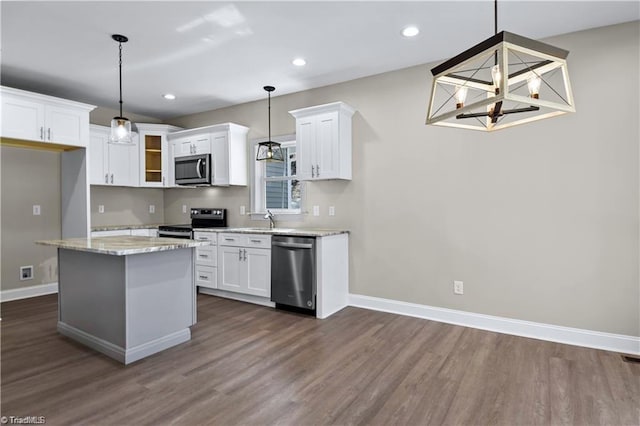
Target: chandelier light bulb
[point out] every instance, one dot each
(496, 76)
(533, 83)
(460, 96)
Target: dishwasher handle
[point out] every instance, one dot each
(293, 245)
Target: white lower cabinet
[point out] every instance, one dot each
(244, 264)
(206, 261)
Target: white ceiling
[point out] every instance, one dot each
(214, 54)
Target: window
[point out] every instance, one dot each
(275, 186)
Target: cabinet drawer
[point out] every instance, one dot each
(212, 237)
(206, 256)
(258, 241)
(234, 240)
(206, 276)
(245, 240)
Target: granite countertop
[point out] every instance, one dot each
(123, 245)
(119, 227)
(300, 232)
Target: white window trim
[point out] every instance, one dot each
(258, 210)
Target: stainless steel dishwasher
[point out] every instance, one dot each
(293, 271)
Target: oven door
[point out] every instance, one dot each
(193, 170)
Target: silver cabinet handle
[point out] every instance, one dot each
(42, 132)
(256, 241)
(203, 277)
(49, 133)
(317, 170)
(206, 256)
(239, 254)
(244, 251)
(229, 239)
(111, 177)
(106, 178)
(312, 172)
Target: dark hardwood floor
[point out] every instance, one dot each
(248, 364)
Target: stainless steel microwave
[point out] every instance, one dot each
(193, 170)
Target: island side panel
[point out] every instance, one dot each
(92, 294)
(332, 293)
(160, 295)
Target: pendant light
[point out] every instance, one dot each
(503, 81)
(120, 126)
(269, 150)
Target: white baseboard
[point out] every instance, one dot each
(26, 292)
(535, 330)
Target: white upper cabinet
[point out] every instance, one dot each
(227, 144)
(112, 163)
(34, 117)
(323, 141)
(156, 163)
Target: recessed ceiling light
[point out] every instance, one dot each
(410, 31)
(169, 96)
(299, 62)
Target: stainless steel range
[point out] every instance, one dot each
(200, 218)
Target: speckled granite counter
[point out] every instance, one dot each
(122, 245)
(300, 232)
(120, 227)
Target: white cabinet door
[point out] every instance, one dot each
(122, 161)
(220, 160)
(305, 148)
(97, 153)
(201, 144)
(257, 267)
(327, 146)
(64, 125)
(22, 118)
(229, 269)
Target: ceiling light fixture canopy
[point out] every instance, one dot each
(269, 150)
(501, 82)
(120, 126)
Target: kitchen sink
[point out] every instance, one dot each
(274, 230)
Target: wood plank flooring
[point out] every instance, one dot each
(251, 365)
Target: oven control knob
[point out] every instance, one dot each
(309, 303)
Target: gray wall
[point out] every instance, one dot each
(126, 206)
(539, 221)
(29, 177)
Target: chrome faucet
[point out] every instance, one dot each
(272, 219)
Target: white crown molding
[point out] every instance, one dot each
(26, 292)
(553, 333)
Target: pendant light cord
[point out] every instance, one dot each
(269, 116)
(120, 68)
(495, 27)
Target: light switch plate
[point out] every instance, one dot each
(316, 210)
(100, 208)
(152, 208)
(36, 209)
(332, 210)
(184, 208)
(243, 210)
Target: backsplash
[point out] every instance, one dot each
(126, 206)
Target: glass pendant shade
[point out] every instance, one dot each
(120, 130)
(506, 80)
(269, 151)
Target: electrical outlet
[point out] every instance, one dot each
(316, 210)
(243, 210)
(458, 287)
(101, 208)
(184, 208)
(26, 273)
(332, 210)
(36, 209)
(152, 208)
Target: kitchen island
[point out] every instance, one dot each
(126, 297)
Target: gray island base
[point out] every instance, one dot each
(126, 297)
